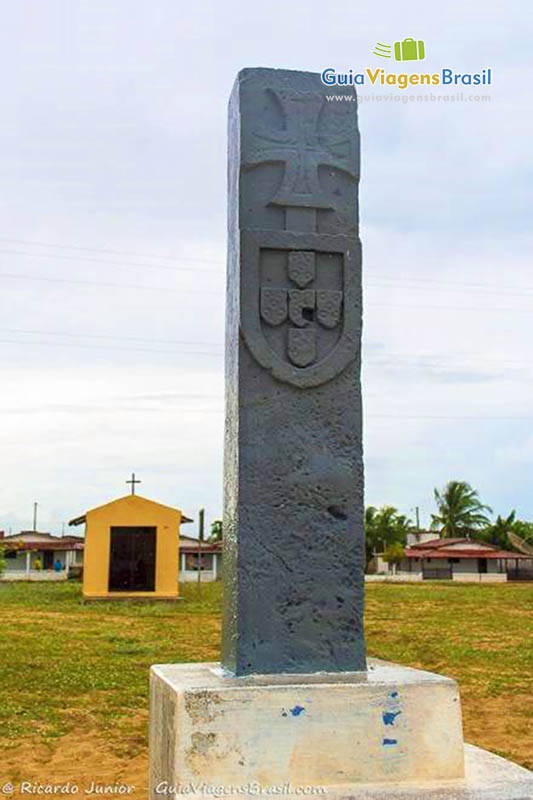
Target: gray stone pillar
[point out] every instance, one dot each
(293, 505)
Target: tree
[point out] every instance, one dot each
(460, 511)
(384, 526)
(216, 531)
(394, 553)
(497, 532)
(524, 530)
(502, 531)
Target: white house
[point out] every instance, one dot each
(30, 555)
(428, 557)
(208, 556)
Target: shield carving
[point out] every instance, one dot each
(302, 346)
(273, 305)
(301, 306)
(328, 308)
(301, 267)
(303, 334)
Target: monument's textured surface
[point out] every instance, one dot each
(293, 518)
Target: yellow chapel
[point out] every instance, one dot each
(131, 550)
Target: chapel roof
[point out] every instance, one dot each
(131, 498)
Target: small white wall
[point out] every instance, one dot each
(188, 575)
(400, 577)
(477, 577)
(34, 575)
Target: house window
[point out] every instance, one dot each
(191, 562)
(453, 560)
(10, 554)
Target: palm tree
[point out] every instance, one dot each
(460, 511)
(384, 526)
(497, 533)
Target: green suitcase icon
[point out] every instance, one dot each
(409, 50)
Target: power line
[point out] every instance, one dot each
(204, 293)
(398, 281)
(34, 332)
(15, 276)
(410, 359)
(221, 262)
(414, 417)
(393, 283)
(451, 308)
(433, 282)
(438, 417)
(406, 287)
(112, 263)
(108, 250)
(112, 347)
(436, 359)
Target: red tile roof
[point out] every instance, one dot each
(438, 543)
(418, 552)
(207, 547)
(44, 545)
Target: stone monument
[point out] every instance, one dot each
(293, 482)
(294, 705)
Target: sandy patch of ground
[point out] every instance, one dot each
(79, 758)
(501, 724)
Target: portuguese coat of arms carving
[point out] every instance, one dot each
(301, 288)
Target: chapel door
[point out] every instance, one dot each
(48, 559)
(482, 565)
(132, 559)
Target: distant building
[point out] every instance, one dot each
(428, 557)
(210, 559)
(35, 556)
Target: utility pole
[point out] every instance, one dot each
(35, 517)
(201, 514)
(417, 510)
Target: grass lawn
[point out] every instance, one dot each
(73, 694)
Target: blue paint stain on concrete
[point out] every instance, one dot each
(297, 710)
(390, 716)
(389, 741)
(393, 694)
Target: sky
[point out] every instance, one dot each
(112, 248)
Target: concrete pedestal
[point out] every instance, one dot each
(391, 732)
